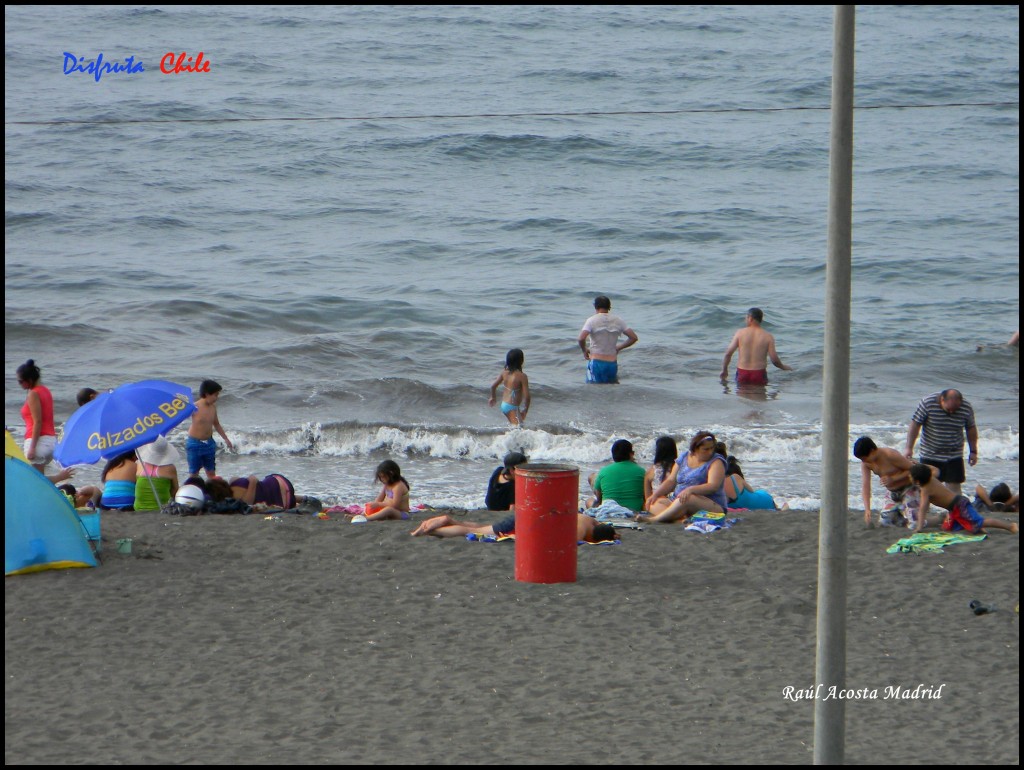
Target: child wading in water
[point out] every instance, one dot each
(393, 500)
(515, 401)
(200, 448)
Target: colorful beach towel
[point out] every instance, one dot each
(475, 538)
(354, 509)
(931, 542)
(706, 521)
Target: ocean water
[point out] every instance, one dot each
(352, 216)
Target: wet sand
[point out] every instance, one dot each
(242, 639)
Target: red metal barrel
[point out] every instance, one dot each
(546, 501)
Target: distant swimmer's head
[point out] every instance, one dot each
(755, 314)
(512, 459)
(514, 360)
(622, 450)
(602, 303)
(85, 395)
(863, 447)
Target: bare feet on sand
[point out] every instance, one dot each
(435, 522)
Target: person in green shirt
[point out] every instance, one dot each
(622, 481)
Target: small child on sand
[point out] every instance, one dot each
(200, 448)
(393, 500)
(961, 513)
(85, 395)
(515, 401)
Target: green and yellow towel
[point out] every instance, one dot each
(931, 542)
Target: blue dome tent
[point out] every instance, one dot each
(41, 529)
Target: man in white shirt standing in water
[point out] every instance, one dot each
(604, 330)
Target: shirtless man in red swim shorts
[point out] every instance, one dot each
(756, 346)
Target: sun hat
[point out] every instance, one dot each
(190, 496)
(159, 452)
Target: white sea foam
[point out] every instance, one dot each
(768, 445)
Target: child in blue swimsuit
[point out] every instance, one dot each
(515, 401)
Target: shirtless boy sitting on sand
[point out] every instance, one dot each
(961, 513)
(756, 346)
(902, 499)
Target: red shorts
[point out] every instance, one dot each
(963, 516)
(751, 376)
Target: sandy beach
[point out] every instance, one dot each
(287, 640)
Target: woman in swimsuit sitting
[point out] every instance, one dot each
(740, 494)
(665, 454)
(118, 479)
(515, 401)
(698, 476)
(157, 480)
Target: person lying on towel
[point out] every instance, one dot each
(587, 528)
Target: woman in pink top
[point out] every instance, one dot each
(40, 436)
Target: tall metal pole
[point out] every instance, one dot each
(830, 669)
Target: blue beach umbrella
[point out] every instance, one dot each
(123, 419)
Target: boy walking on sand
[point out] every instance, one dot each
(962, 514)
(200, 448)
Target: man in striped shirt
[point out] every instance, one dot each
(942, 420)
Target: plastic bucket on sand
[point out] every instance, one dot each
(546, 500)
